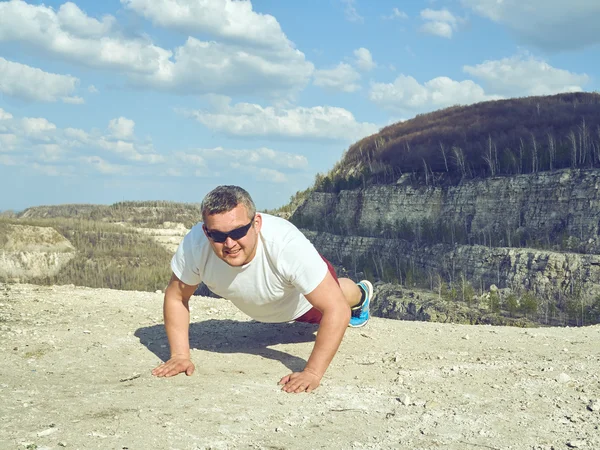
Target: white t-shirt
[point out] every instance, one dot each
(269, 288)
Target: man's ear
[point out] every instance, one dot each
(257, 222)
(204, 229)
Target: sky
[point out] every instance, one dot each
(113, 100)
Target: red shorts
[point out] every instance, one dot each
(314, 315)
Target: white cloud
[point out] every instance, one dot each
(552, 25)
(49, 152)
(439, 22)
(406, 95)
(74, 133)
(105, 167)
(36, 126)
(74, 100)
(195, 67)
(191, 159)
(92, 89)
(260, 174)
(7, 160)
(75, 21)
(7, 142)
(172, 172)
(129, 151)
(343, 78)
(262, 164)
(37, 139)
(364, 59)
(122, 128)
(525, 75)
(351, 13)
(247, 119)
(211, 67)
(396, 14)
(279, 159)
(222, 158)
(441, 29)
(225, 19)
(4, 115)
(73, 36)
(271, 175)
(441, 15)
(30, 83)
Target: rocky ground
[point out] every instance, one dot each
(76, 365)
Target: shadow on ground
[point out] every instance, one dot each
(230, 336)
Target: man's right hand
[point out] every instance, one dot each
(174, 366)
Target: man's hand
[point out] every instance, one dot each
(304, 381)
(174, 366)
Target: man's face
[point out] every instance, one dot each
(234, 252)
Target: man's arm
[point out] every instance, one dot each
(176, 312)
(328, 298)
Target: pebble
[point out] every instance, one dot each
(563, 378)
(466, 337)
(404, 399)
(47, 432)
(594, 405)
(576, 444)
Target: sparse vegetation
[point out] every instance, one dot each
(488, 139)
(108, 256)
(143, 214)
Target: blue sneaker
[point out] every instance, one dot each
(360, 316)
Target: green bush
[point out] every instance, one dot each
(528, 304)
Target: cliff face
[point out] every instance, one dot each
(31, 252)
(544, 272)
(478, 228)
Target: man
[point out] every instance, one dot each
(270, 271)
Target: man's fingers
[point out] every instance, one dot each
(299, 382)
(172, 368)
(294, 386)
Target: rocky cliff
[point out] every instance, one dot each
(537, 231)
(31, 252)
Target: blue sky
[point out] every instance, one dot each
(165, 99)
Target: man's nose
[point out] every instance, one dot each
(229, 242)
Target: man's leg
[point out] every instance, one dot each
(354, 295)
(358, 299)
(351, 291)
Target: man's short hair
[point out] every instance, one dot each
(224, 198)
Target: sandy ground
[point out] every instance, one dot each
(76, 364)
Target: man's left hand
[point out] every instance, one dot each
(304, 381)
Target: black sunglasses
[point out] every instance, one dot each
(220, 237)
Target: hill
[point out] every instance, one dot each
(500, 194)
(77, 364)
(142, 214)
(495, 138)
(82, 252)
